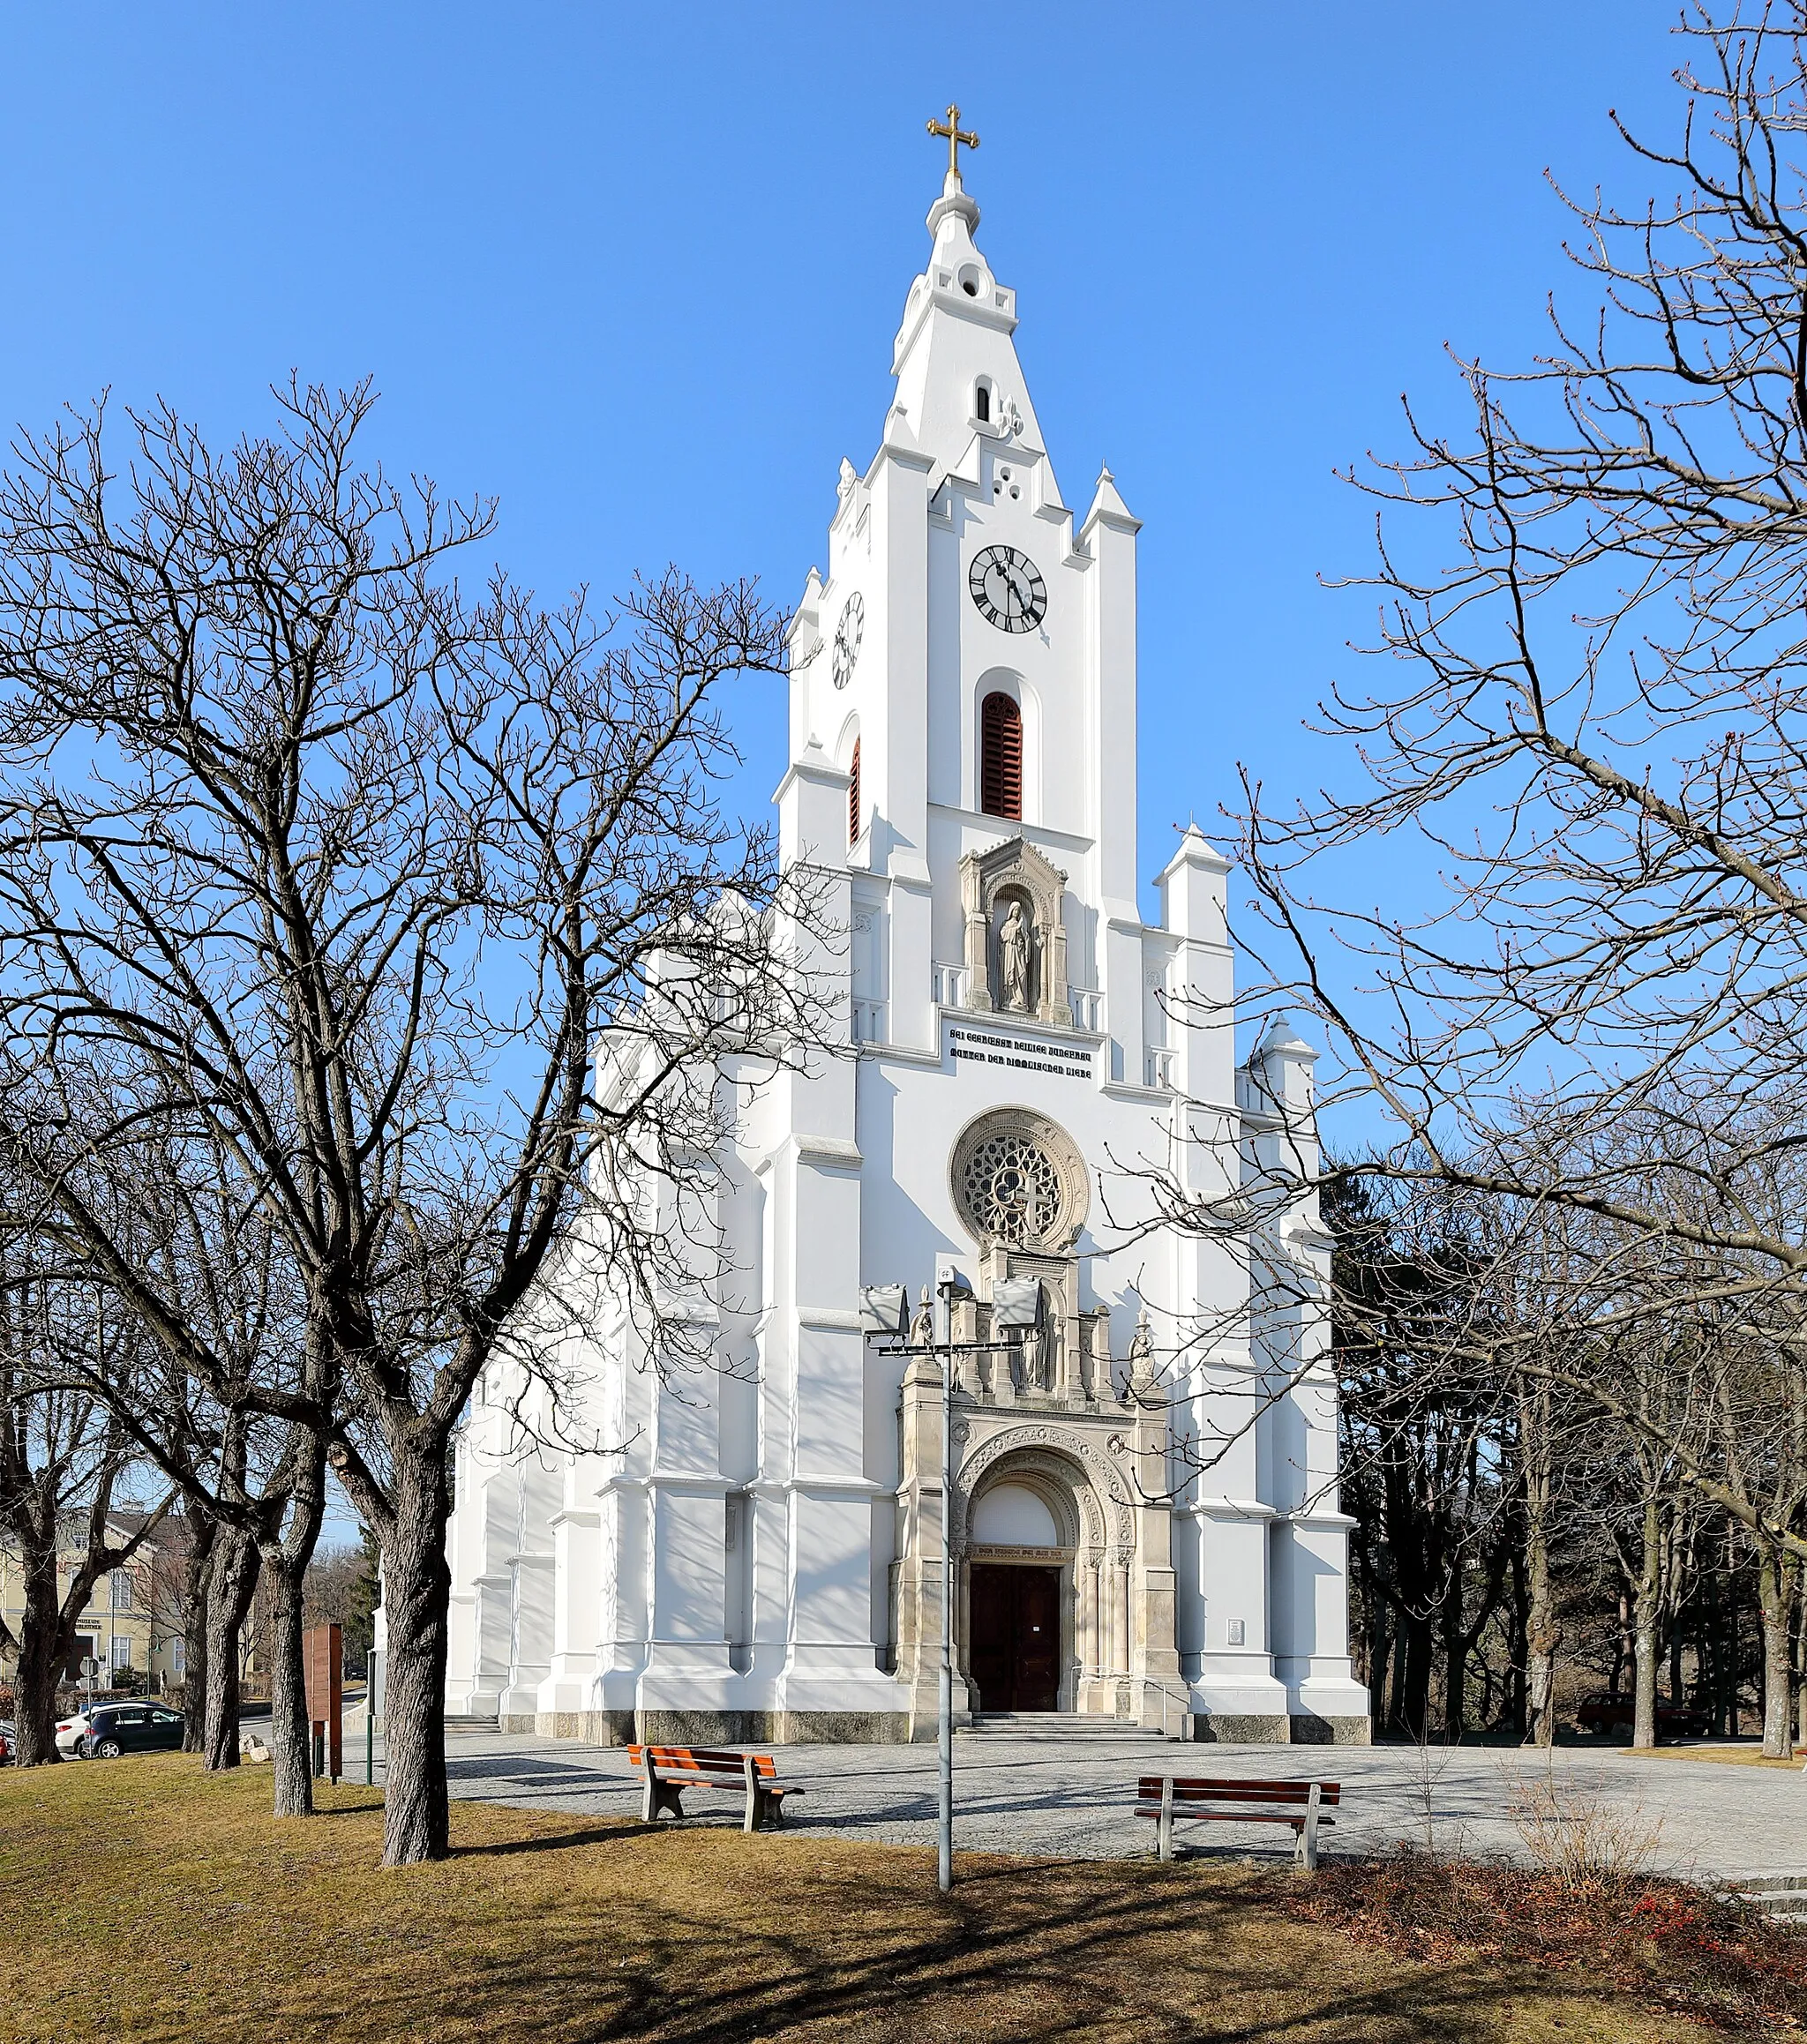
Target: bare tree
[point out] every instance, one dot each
(64, 1458)
(346, 874)
(1593, 598)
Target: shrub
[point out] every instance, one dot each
(1676, 1946)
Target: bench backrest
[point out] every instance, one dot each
(1197, 1788)
(701, 1763)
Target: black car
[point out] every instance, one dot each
(116, 1728)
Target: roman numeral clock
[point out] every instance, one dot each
(1007, 587)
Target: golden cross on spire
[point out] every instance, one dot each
(957, 138)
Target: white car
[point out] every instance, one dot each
(71, 1731)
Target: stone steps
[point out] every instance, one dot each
(1778, 1895)
(1055, 1725)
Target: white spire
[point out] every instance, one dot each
(956, 364)
(956, 200)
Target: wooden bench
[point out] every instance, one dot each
(670, 1770)
(1170, 1800)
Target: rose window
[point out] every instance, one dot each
(1011, 1189)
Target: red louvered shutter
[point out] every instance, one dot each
(1000, 760)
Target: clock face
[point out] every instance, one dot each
(847, 634)
(1007, 588)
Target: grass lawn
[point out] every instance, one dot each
(1726, 1755)
(139, 1899)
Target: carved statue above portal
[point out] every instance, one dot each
(1015, 940)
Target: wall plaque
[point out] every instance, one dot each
(1002, 1049)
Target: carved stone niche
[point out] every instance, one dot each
(1014, 874)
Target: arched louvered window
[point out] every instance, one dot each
(853, 797)
(1001, 757)
(982, 403)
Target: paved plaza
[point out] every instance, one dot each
(1069, 1798)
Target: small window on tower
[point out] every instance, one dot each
(982, 403)
(853, 797)
(1001, 757)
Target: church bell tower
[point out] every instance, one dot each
(756, 1553)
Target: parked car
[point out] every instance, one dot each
(9, 1742)
(116, 1728)
(1609, 1709)
(70, 1732)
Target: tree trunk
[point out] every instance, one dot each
(1412, 1676)
(1543, 1641)
(417, 1597)
(1543, 1637)
(233, 1582)
(290, 1743)
(1801, 1668)
(1455, 1645)
(287, 1554)
(1775, 1594)
(1645, 1610)
(196, 1575)
(43, 1652)
(1515, 1687)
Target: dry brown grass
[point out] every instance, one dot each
(1725, 1756)
(140, 1900)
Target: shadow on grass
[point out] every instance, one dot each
(614, 1832)
(711, 1953)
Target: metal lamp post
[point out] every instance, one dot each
(944, 1816)
(885, 1310)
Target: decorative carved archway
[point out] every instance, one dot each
(1092, 1512)
(1101, 1495)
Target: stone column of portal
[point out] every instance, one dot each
(920, 1564)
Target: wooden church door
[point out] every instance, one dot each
(1015, 1637)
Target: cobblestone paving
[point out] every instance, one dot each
(1068, 1800)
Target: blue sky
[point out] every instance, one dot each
(636, 271)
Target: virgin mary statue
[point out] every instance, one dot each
(1013, 961)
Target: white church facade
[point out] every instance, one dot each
(759, 1557)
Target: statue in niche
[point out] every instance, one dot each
(1032, 1358)
(1014, 954)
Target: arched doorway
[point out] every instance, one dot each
(1023, 1534)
